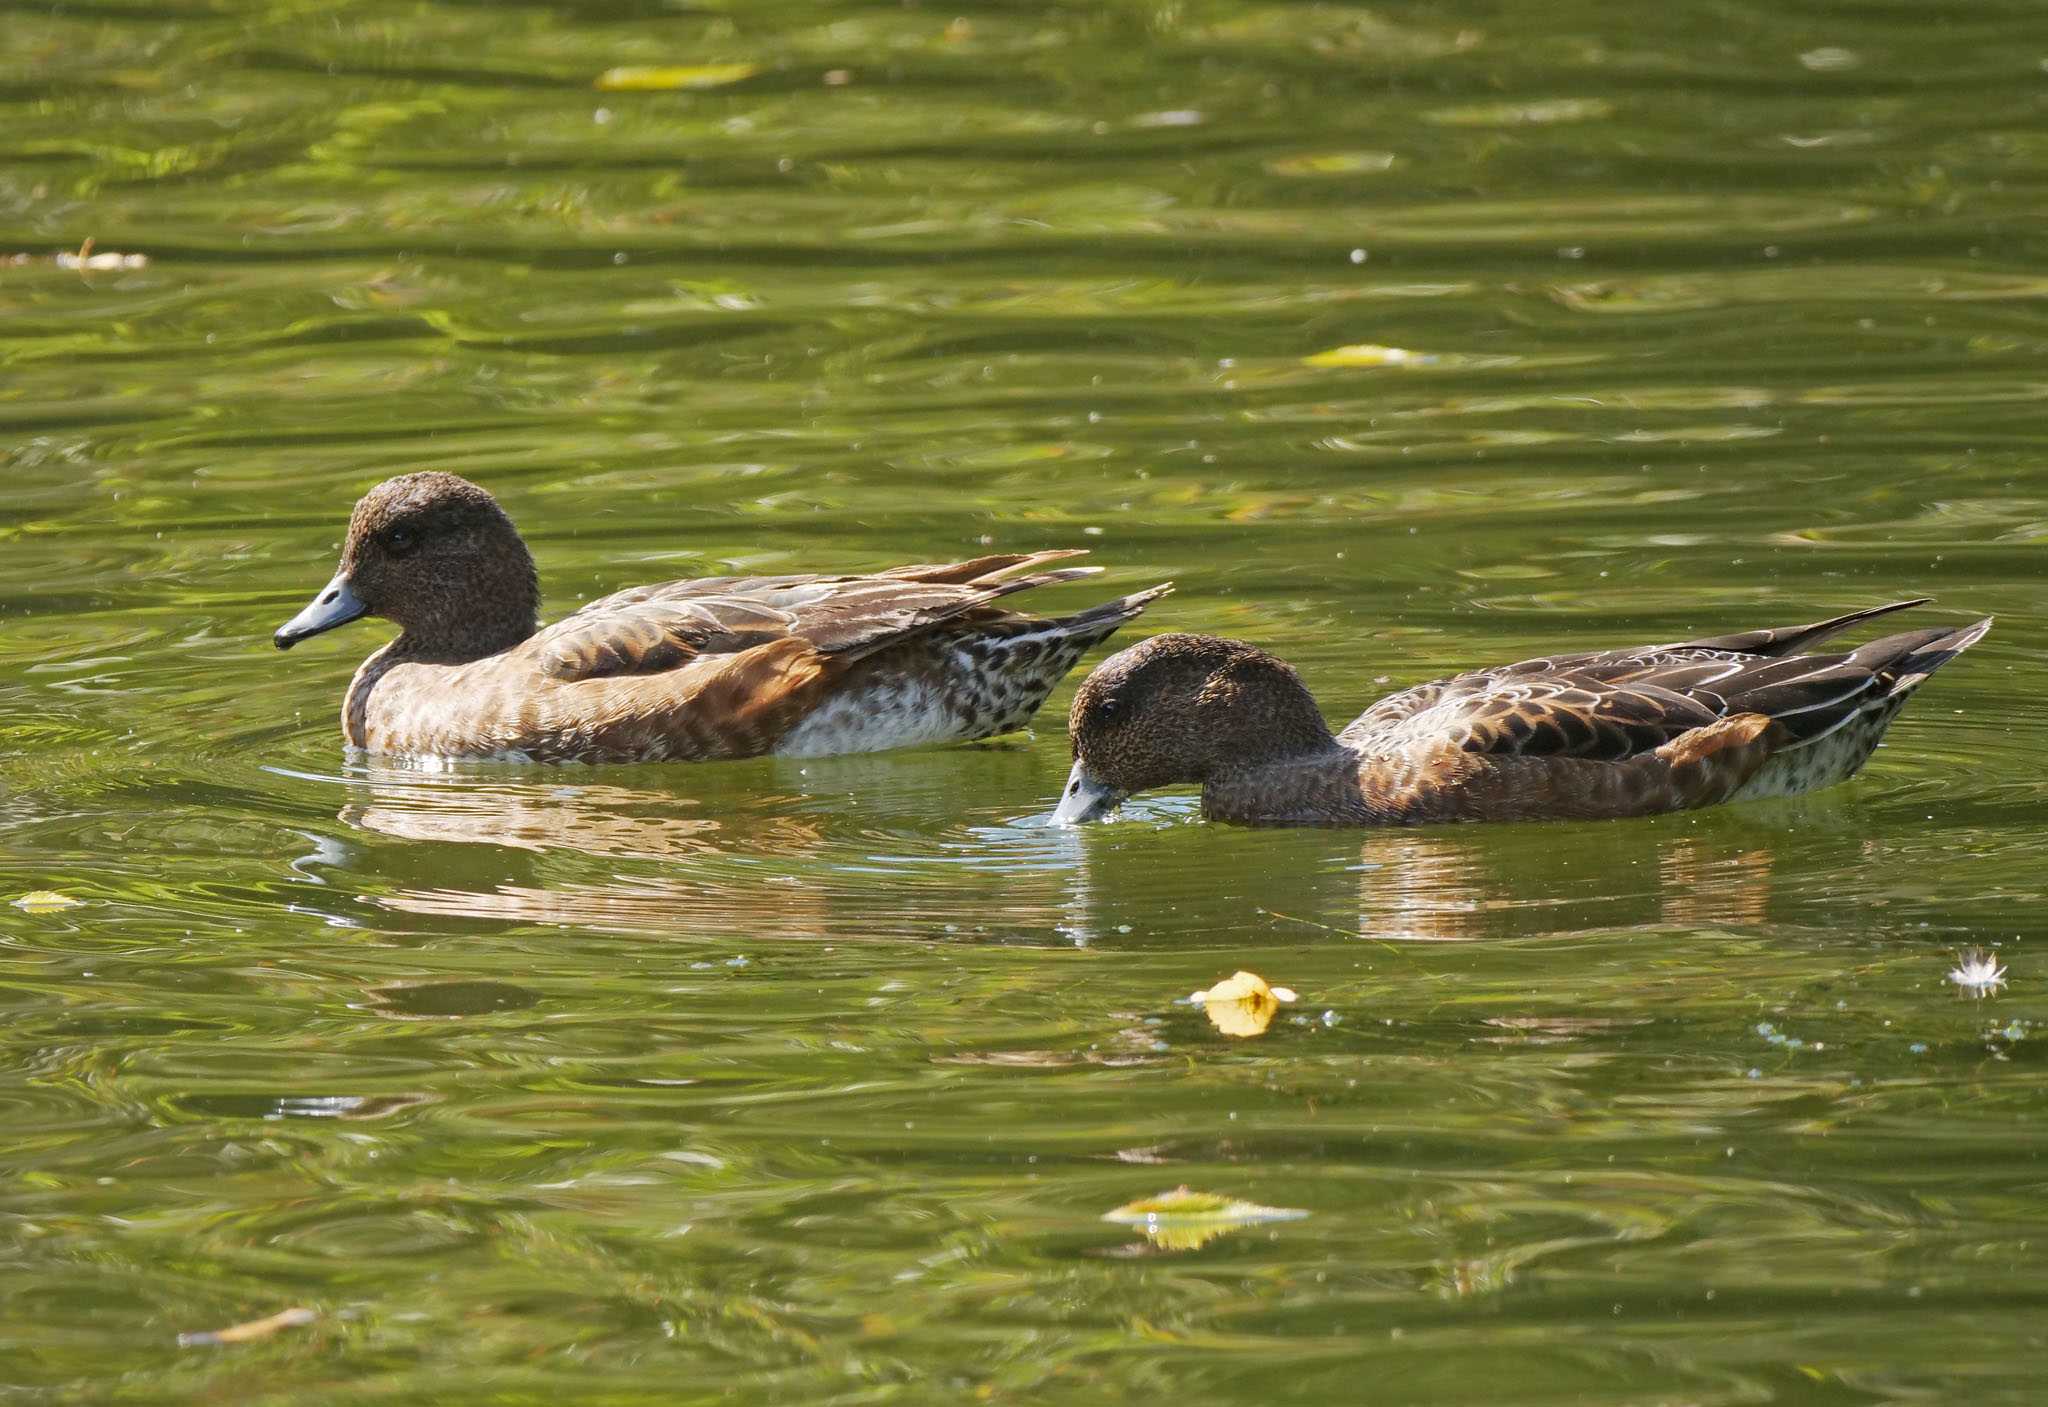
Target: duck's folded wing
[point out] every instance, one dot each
(651, 630)
(1615, 703)
(616, 637)
(1563, 715)
(1613, 709)
(978, 570)
(1634, 732)
(1776, 642)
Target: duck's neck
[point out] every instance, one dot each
(489, 615)
(1312, 785)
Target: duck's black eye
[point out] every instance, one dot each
(400, 540)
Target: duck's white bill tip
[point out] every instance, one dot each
(1085, 799)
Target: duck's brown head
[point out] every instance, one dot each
(437, 555)
(1182, 709)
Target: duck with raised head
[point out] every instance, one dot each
(719, 667)
(1628, 732)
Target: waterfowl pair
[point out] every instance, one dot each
(811, 665)
(1627, 732)
(686, 670)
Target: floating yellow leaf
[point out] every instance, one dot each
(1242, 1004)
(1368, 354)
(1333, 163)
(254, 1329)
(1184, 1219)
(46, 901)
(660, 78)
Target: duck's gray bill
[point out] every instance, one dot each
(1085, 799)
(335, 605)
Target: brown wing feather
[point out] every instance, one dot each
(730, 705)
(1619, 709)
(654, 636)
(978, 569)
(1619, 704)
(1627, 732)
(1776, 642)
(655, 629)
(1572, 714)
(869, 614)
(984, 569)
(1700, 767)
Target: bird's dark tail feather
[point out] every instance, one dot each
(1103, 619)
(1910, 657)
(1796, 639)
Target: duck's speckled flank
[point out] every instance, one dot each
(948, 686)
(1835, 758)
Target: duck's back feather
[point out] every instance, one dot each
(1615, 705)
(655, 629)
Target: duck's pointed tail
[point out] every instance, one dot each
(1891, 668)
(1099, 622)
(1905, 660)
(1786, 640)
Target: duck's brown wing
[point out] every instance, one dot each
(975, 571)
(655, 629)
(1635, 734)
(1616, 704)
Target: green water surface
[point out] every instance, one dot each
(781, 1082)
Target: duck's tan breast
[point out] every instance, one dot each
(408, 708)
(726, 706)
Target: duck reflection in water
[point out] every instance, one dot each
(561, 852)
(839, 849)
(586, 818)
(1460, 887)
